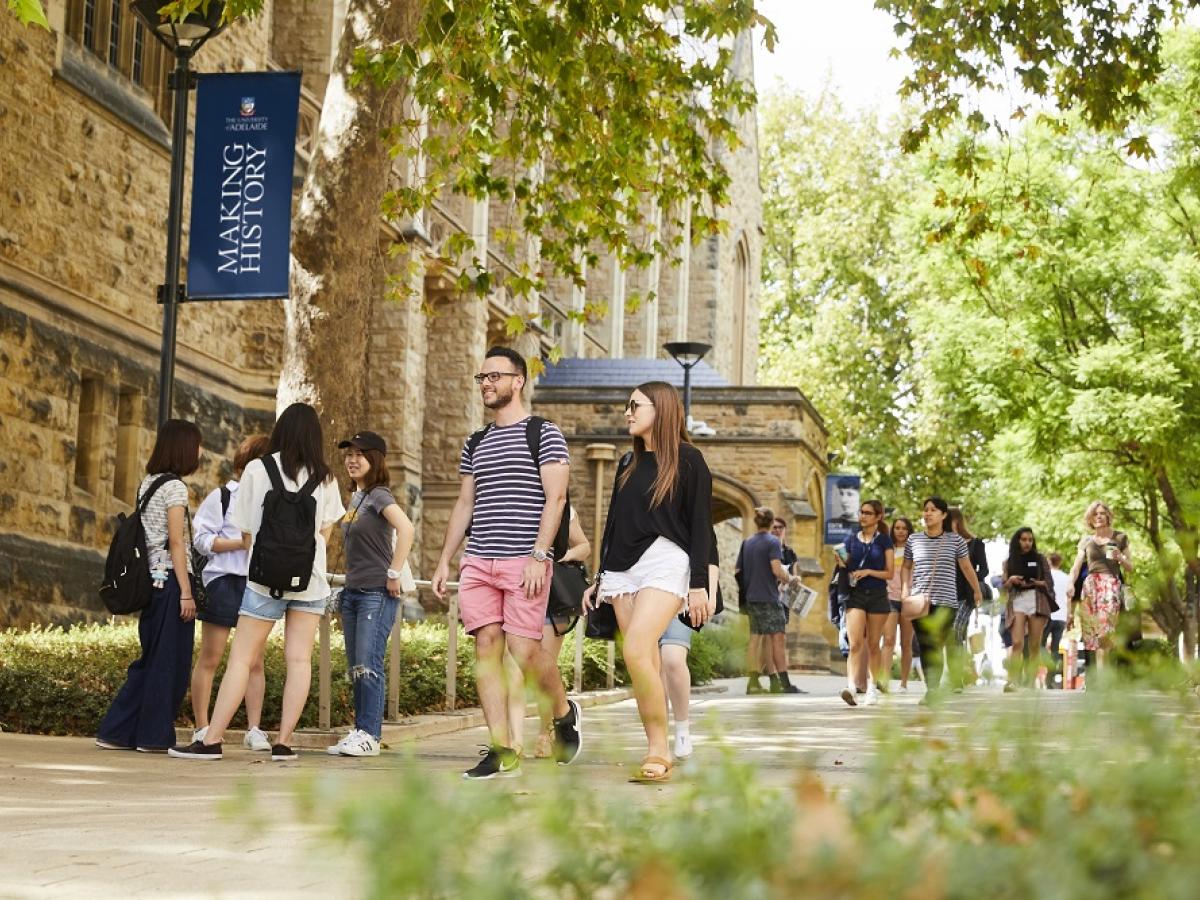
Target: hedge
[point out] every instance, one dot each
(56, 681)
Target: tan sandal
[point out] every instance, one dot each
(543, 747)
(644, 777)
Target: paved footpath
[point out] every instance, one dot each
(80, 822)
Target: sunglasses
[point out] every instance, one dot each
(633, 406)
(866, 512)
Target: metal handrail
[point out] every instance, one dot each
(324, 666)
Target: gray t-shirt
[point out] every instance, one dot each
(369, 539)
(754, 562)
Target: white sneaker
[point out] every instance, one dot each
(683, 746)
(256, 739)
(903, 689)
(199, 733)
(336, 749)
(872, 697)
(359, 743)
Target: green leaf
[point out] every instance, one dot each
(29, 12)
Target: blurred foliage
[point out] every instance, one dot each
(1051, 796)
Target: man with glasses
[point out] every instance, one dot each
(513, 490)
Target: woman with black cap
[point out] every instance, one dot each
(377, 536)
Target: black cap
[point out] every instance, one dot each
(365, 440)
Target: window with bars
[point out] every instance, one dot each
(111, 33)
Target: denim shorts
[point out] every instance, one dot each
(224, 600)
(268, 609)
(678, 634)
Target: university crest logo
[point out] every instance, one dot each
(247, 108)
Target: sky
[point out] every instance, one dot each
(844, 41)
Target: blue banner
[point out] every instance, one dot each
(242, 185)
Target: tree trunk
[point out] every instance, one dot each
(1185, 532)
(336, 258)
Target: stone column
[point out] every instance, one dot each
(457, 338)
(685, 272)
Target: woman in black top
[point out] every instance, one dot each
(977, 556)
(654, 556)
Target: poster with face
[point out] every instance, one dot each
(842, 494)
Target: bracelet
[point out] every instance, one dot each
(392, 574)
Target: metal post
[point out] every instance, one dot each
(323, 677)
(181, 82)
(452, 652)
(600, 454)
(687, 396)
(393, 704)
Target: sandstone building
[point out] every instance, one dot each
(84, 157)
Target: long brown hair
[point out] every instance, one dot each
(378, 473)
(668, 433)
(958, 524)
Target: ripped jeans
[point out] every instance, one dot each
(367, 620)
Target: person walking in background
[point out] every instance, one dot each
(377, 536)
(287, 505)
(870, 562)
(578, 550)
(1058, 619)
(513, 489)
(1105, 552)
(899, 533)
(655, 553)
(1030, 590)
(931, 559)
(224, 576)
(673, 648)
(142, 715)
(977, 555)
(760, 565)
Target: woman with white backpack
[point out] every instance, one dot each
(286, 508)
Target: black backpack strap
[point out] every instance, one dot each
(533, 437)
(268, 462)
(153, 489)
(476, 438)
(226, 496)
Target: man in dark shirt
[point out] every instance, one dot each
(760, 565)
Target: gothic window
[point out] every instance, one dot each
(111, 33)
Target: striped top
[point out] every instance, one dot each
(947, 549)
(508, 489)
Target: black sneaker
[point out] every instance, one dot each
(497, 762)
(754, 686)
(196, 750)
(568, 735)
(282, 753)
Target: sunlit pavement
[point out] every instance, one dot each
(82, 822)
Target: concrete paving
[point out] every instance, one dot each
(81, 822)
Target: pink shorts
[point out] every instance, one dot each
(489, 591)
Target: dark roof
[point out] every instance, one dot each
(626, 373)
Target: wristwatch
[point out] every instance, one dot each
(540, 555)
(393, 574)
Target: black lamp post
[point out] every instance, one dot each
(687, 354)
(183, 38)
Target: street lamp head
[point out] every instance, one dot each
(186, 34)
(687, 353)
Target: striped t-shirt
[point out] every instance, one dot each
(922, 551)
(154, 519)
(508, 489)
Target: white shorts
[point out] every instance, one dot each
(664, 566)
(1025, 603)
